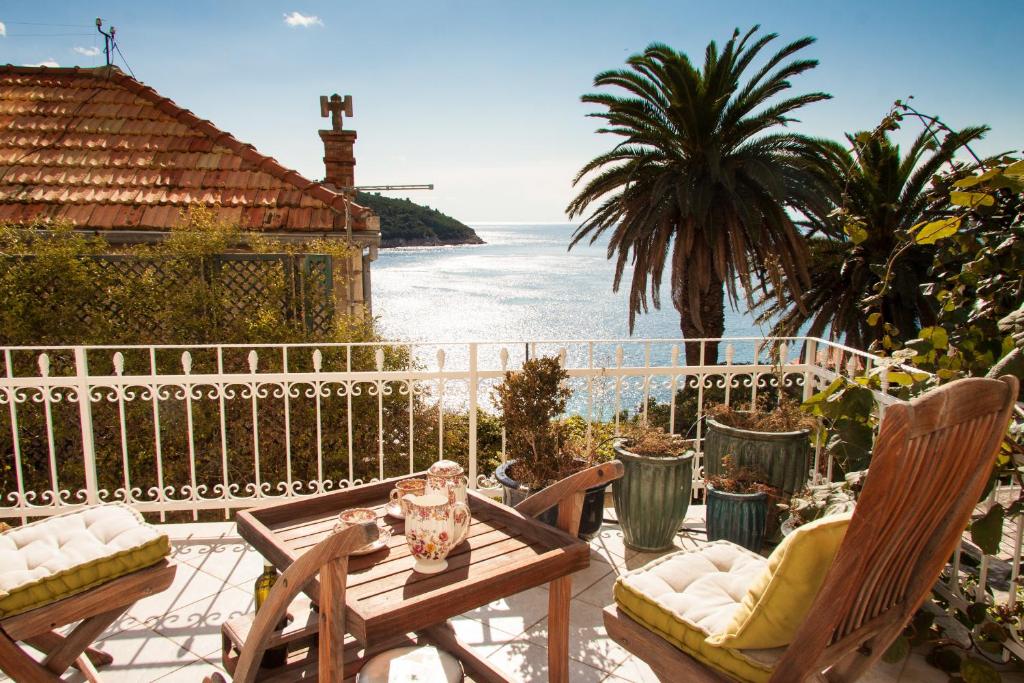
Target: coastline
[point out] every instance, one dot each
(397, 242)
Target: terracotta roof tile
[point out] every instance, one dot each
(108, 152)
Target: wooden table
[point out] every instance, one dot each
(504, 554)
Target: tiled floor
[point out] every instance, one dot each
(176, 635)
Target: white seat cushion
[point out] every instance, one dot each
(62, 555)
(692, 594)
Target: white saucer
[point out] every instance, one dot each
(394, 510)
(381, 542)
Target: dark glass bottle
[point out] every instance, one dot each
(276, 656)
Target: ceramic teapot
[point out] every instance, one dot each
(449, 479)
(433, 526)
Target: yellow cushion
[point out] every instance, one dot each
(59, 556)
(689, 595)
(777, 600)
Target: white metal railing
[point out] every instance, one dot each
(173, 428)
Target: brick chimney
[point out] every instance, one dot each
(339, 158)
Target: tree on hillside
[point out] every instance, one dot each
(700, 178)
(875, 196)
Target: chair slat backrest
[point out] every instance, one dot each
(329, 558)
(931, 462)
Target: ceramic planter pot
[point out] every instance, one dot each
(737, 517)
(785, 457)
(512, 492)
(652, 497)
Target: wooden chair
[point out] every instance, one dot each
(932, 459)
(568, 495)
(95, 609)
(316, 642)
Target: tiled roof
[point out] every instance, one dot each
(101, 149)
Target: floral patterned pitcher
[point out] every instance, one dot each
(433, 526)
(447, 478)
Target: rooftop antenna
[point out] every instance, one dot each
(108, 38)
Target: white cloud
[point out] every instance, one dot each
(3, 29)
(294, 19)
(87, 51)
(51, 62)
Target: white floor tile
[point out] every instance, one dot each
(197, 626)
(514, 614)
(588, 640)
(140, 654)
(527, 661)
(190, 585)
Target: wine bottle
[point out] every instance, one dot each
(276, 656)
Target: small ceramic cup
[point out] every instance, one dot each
(354, 516)
(406, 487)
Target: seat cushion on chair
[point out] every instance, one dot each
(692, 594)
(778, 599)
(55, 558)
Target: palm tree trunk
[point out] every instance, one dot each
(712, 315)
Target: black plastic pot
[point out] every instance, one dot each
(512, 492)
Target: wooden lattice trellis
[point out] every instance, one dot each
(304, 283)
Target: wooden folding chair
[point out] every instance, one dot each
(568, 495)
(95, 609)
(932, 460)
(316, 641)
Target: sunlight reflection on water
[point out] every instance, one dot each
(521, 286)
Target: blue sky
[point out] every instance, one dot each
(482, 98)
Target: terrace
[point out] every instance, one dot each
(142, 437)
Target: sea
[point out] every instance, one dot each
(524, 284)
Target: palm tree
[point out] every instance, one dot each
(873, 196)
(700, 178)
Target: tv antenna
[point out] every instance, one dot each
(108, 39)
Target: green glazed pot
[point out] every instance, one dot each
(737, 517)
(651, 498)
(785, 457)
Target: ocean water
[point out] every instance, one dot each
(521, 285)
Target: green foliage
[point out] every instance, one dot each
(531, 399)
(403, 222)
(699, 176)
(846, 409)
(64, 289)
(881, 204)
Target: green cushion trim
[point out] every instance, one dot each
(81, 577)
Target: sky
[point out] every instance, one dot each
(482, 98)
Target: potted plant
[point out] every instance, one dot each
(774, 441)
(538, 446)
(738, 505)
(820, 500)
(653, 494)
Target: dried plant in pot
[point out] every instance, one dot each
(538, 446)
(820, 500)
(738, 505)
(653, 495)
(775, 441)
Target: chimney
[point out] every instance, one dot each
(339, 158)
